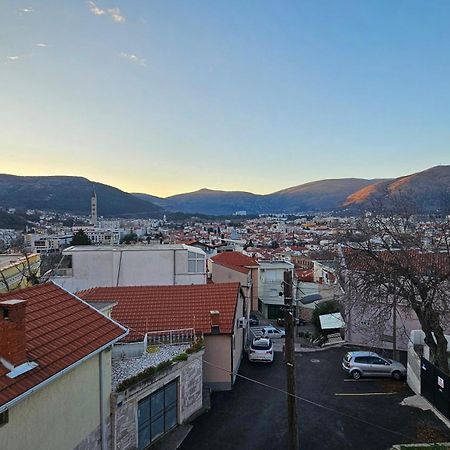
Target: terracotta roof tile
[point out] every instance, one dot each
(235, 261)
(158, 308)
(60, 330)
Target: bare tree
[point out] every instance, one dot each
(400, 259)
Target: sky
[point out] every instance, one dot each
(164, 97)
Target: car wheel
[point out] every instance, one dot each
(396, 375)
(356, 374)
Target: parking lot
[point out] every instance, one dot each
(336, 412)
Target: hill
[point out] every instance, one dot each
(430, 190)
(324, 195)
(68, 194)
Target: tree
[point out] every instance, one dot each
(129, 238)
(80, 238)
(398, 259)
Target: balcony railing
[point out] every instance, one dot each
(171, 337)
(66, 272)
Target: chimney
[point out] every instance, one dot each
(12, 333)
(215, 321)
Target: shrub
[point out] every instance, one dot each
(181, 357)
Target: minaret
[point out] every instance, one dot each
(94, 208)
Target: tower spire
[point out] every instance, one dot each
(94, 207)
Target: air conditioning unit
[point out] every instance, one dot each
(242, 322)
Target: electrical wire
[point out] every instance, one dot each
(311, 402)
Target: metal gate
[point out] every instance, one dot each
(435, 386)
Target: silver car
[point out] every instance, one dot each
(360, 364)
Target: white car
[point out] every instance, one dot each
(261, 350)
(272, 332)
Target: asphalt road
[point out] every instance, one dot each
(364, 414)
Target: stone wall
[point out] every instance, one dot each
(124, 405)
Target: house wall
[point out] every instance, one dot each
(224, 352)
(65, 414)
(124, 405)
(218, 353)
(255, 288)
(238, 343)
(365, 327)
(129, 267)
(222, 274)
(269, 284)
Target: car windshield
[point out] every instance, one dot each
(261, 345)
(347, 357)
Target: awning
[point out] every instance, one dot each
(331, 321)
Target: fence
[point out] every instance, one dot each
(171, 337)
(435, 386)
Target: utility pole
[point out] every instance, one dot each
(394, 329)
(290, 361)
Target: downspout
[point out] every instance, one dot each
(120, 265)
(174, 267)
(103, 439)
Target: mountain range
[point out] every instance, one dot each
(69, 194)
(72, 194)
(429, 188)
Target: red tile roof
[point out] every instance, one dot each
(60, 330)
(420, 263)
(159, 308)
(235, 260)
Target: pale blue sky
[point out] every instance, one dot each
(170, 96)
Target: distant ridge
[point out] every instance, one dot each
(430, 190)
(72, 194)
(68, 194)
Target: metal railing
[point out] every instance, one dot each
(62, 272)
(170, 337)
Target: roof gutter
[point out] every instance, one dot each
(59, 374)
(72, 366)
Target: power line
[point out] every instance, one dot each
(311, 402)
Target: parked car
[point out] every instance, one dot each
(253, 320)
(261, 350)
(272, 332)
(297, 321)
(362, 363)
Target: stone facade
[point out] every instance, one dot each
(124, 405)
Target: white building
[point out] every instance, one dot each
(40, 243)
(100, 236)
(85, 267)
(271, 275)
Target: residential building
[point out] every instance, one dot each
(41, 243)
(55, 371)
(371, 320)
(18, 271)
(214, 311)
(100, 236)
(149, 407)
(84, 267)
(271, 276)
(229, 267)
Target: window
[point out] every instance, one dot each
(377, 361)
(196, 262)
(157, 414)
(4, 418)
(362, 360)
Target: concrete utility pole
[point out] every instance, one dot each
(290, 361)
